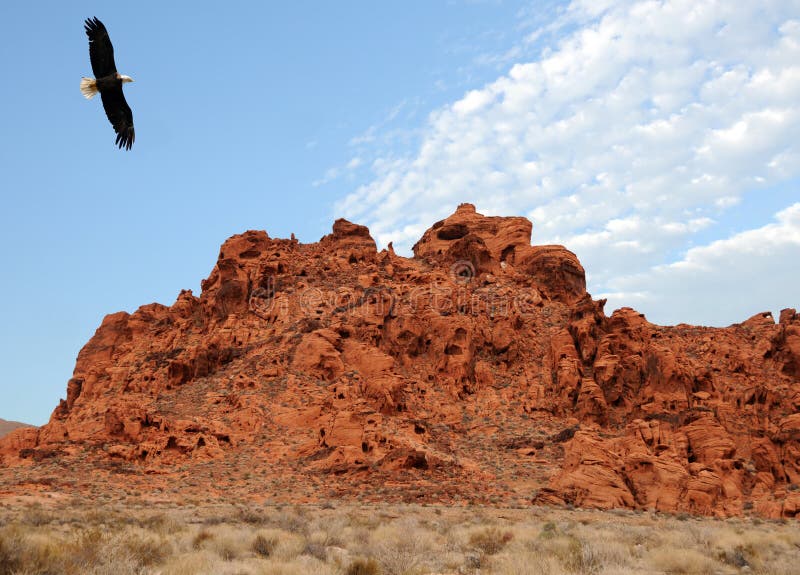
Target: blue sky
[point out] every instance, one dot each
(656, 140)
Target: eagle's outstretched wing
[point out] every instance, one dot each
(120, 116)
(101, 52)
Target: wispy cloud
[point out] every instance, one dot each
(632, 133)
(752, 271)
(377, 137)
(368, 135)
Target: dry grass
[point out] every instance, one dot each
(389, 540)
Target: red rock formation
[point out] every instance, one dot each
(480, 369)
(703, 431)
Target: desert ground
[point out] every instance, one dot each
(145, 537)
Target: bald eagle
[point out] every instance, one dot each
(108, 82)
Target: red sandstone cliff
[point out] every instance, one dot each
(480, 369)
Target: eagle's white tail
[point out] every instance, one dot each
(88, 88)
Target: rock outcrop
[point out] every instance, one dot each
(478, 370)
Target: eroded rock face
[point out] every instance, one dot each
(696, 428)
(478, 370)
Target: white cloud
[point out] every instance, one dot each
(635, 131)
(472, 102)
(749, 272)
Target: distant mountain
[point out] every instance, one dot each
(7, 427)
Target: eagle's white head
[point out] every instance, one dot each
(125, 78)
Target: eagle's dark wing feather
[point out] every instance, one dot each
(101, 52)
(120, 116)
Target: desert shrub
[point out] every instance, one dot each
(300, 566)
(283, 545)
(264, 545)
(252, 516)
(682, 562)
(490, 540)
(577, 556)
(38, 517)
(329, 531)
(294, 520)
(146, 549)
(36, 552)
(226, 547)
(361, 566)
(156, 522)
(194, 563)
(215, 520)
(736, 557)
(164, 524)
(86, 546)
(9, 561)
(399, 548)
(549, 530)
(527, 563)
(200, 538)
(227, 542)
(316, 550)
